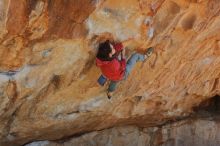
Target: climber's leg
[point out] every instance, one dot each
(135, 58)
(132, 61)
(111, 88)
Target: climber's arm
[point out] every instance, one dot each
(123, 64)
(118, 47)
(121, 45)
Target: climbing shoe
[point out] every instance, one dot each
(109, 95)
(149, 51)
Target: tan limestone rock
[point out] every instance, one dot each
(48, 77)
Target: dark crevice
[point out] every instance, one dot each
(211, 105)
(61, 115)
(68, 138)
(56, 81)
(9, 73)
(73, 112)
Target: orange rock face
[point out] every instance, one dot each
(48, 77)
(195, 132)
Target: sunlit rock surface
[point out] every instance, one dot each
(48, 77)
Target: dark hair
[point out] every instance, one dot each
(104, 50)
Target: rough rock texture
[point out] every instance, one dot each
(194, 132)
(199, 129)
(48, 87)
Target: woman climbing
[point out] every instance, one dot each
(112, 67)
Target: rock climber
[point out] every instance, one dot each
(112, 62)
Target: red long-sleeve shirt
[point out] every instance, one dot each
(114, 70)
